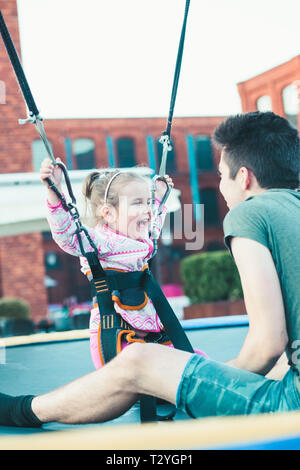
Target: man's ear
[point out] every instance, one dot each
(245, 177)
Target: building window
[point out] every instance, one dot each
(39, 153)
(291, 104)
(52, 260)
(171, 162)
(125, 152)
(84, 153)
(204, 153)
(209, 197)
(264, 103)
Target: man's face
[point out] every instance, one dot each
(230, 188)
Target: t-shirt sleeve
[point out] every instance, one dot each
(246, 220)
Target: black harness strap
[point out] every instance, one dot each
(166, 314)
(177, 70)
(122, 280)
(15, 61)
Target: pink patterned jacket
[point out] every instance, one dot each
(115, 251)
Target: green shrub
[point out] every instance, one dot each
(210, 276)
(14, 308)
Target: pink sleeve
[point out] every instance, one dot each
(63, 230)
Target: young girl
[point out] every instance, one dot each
(120, 206)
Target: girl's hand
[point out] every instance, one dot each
(161, 186)
(48, 170)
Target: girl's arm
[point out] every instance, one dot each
(61, 223)
(159, 194)
(63, 229)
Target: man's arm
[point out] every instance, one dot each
(267, 336)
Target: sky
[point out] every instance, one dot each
(116, 58)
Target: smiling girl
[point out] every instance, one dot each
(120, 207)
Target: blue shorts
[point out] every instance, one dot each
(210, 388)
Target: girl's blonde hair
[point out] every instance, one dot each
(95, 186)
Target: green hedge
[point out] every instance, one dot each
(210, 276)
(14, 308)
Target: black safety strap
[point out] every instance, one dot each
(121, 280)
(177, 70)
(165, 138)
(15, 61)
(166, 314)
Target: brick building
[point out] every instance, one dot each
(28, 254)
(276, 90)
(27, 257)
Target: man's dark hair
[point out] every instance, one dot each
(264, 143)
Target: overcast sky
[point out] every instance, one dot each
(116, 58)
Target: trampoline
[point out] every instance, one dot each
(42, 362)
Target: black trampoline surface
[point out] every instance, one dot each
(42, 367)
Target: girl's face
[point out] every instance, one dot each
(133, 215)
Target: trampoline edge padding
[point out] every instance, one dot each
(206, 433)
(52, 337)
(189, 324)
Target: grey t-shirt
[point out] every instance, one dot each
(272, 218)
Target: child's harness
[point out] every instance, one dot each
(129, 289)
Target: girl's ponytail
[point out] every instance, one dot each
(88, 184)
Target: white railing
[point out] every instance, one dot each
(22, 200)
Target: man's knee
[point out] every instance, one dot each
(135, 359)
(135, 355)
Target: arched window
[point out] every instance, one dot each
(125, 152)
(209, 197)
(264, 103)
(39, 153)
(84, 153)
(291, 104)
(171, 161)
(204, 153)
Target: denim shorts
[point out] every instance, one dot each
(211, 388)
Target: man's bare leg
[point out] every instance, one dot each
(109, 392)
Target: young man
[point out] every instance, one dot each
(259, 171)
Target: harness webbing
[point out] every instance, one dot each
(166, 137)
(17, 67)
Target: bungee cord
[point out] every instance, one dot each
(165, 138)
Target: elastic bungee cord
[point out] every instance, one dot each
(165, 138)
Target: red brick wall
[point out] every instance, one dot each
(269, 83)
(15, 148)
(22, 268)
(22, 271)
(21, 257)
